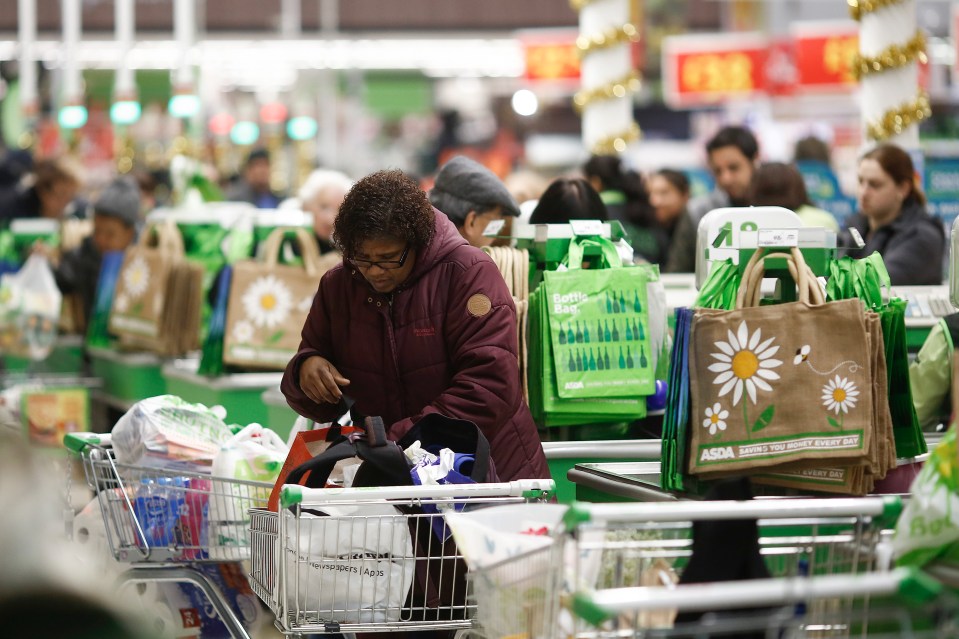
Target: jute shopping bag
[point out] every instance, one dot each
(142, 284)
(269, 302)
(780, 383)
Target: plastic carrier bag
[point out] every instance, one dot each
(256, 454)
(168, 432)
(29, 310)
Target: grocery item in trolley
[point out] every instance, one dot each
(255, 454)
(166, 431)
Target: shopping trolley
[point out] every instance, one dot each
(900, 604)
(370, 559)
(615, 546)
(164, 522)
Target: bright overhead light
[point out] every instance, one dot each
(125, 111)
(73, 116)
(244, 133)
(525, 102)
(301, 128)
(184, 105)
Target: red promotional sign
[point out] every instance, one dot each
(700, 70)
(551, 56)
(824, 60)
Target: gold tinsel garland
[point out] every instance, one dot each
(895, 121)
(616, 89)
(609, 38)
(893, 57)
(615, 144)
(578, 5)
(859, 8)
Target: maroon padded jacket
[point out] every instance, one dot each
(444, 341)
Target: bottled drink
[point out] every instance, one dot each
(629, 332)
(592, 361)
(637, 306)
(599, 361)
(585, 331)
(608, 337)
(579, 334)
(642, 334)
(615, 332)
(622, 359)
(622, 302)
(599, 330)
(571, 364)
(579, 361)
(570, 336)
(609, 304)
(643, 363)
(616, 307)
(562, 334)
(606, 362)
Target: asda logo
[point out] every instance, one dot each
(574, 385)
(717, 454)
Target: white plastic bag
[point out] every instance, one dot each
(254, 454)
(167, 432)
(352, 563)
(29, 309)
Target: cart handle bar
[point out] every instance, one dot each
(76, 442)
(886, 508)
(909, 583)
(292, 494)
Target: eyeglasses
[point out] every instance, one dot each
(386, 265)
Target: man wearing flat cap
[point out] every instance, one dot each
(116, 214)
(471, 196)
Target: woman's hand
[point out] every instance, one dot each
(320, 380)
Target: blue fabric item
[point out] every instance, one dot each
(454, 476)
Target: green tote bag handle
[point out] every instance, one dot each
(577, 246)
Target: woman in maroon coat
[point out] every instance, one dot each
(414, 321)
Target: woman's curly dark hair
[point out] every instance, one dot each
(384, 204)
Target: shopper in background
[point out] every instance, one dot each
(812, 149)
(116, 216)
(780, 184)
(253, 186)
(414, 322)
(471, 196)
(675, 233)
(321, 196)
(732, 155)
(46, 192)
(893, 221)
(568, 199)
(626, 200)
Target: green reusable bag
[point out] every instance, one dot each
(720, 288)
(548, 408)
(598, 326)
(866, 279)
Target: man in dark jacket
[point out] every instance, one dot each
(472, 196)
(115, 216)
(415, 321)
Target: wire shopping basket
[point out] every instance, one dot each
(163, 515)
(900, 604)
(370, 559)
(615, 546)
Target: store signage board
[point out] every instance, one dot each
(494, 227)
(550, 55)
(713, 68)
(941, 186)
(824, 56)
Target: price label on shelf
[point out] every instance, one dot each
(777, 237)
